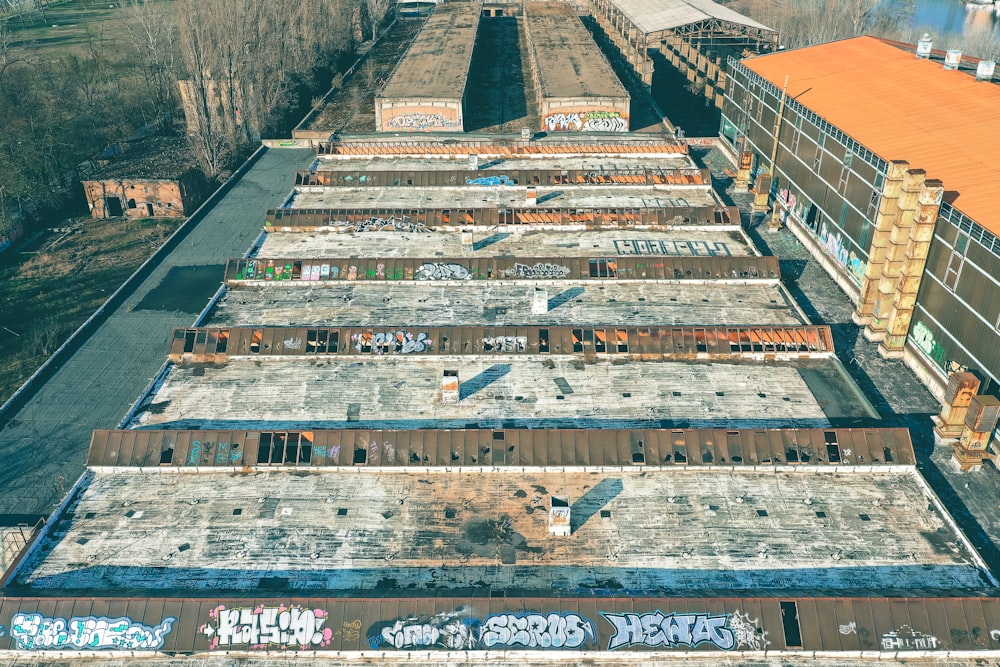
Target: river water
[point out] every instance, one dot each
(948, 18)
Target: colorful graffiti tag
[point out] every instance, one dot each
(460, 629)
(391, 342)
(38, 632)
(586, 121)
(726, 631)
(423, 121)
(835, 245)
(449, 630)
(923, 338)
(261, 626)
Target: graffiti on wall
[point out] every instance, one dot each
(835, 245)
(454, 630)
(923, 338)
(906, 638)
(390, 224)
(594, 120)
(538, 270)
(672, 248)
(37, 632)
(725, 631)
(460, 629)
(391, 342)
(423, 121)
(441, 271)
(263, 626)
(491, 180)
(565, 630)
(505, 344)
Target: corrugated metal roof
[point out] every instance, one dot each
(919, 627)
(903, 108)
(504, 447)
(657, 15)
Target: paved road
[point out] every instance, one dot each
(44, 445)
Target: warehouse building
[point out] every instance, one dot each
(894, 193)
(576, 88)
(426, 92)
(553, 401)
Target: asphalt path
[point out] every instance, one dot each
(43, 444)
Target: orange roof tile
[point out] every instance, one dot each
(903, 108)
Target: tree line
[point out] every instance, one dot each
(240, 66)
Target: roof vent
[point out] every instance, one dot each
(924, 46)
(952, 59)
(984, 71)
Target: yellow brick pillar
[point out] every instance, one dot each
(962, 387)
(980, 420)
(895, 254)
(915, 258)
(885, 220)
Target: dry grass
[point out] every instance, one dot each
(48, 294)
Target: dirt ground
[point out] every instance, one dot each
(53, 284)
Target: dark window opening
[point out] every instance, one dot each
(790, 623)
(341, 511)
(167, 456)
(360, 456)
(761, 513)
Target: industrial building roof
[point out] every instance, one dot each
(651, 16)
(522, 243)
(673, 531)
(497, 389)
(437, 63)
(486, 303)
(565, 57)
(907, 108)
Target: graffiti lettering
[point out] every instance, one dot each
(438, 271)
(657, 629)
(539, 270)
(294, 343)
(605, 125)
(672, 248)
(834, 244)
(505, 344)
(536, 631)
(591, 121)
(37, 632)
(390, 224)
(451, 630)
(908, 639)
(422, 121)
(491, 180)
(260, 626)
(391, 342)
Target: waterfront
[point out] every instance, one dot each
(949, 19)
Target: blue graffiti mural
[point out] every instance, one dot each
(37, 632)
(491, 180)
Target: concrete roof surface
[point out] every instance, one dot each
(668, 531)
(470, 303)
(496, 390)
(483, 196)
(437, 63)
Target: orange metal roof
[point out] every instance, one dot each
(903, 108)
